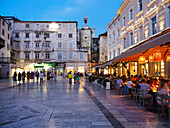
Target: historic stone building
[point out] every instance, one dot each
(7, 61)
(137, 22)
(48, 46)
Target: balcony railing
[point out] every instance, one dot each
(7, 60)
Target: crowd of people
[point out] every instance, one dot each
(148, 85)
(31, 76)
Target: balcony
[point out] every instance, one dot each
(7, 60)
(2, 43)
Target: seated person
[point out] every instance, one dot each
(144, 86)
(120, 82)
(164, 88)
(129, 83)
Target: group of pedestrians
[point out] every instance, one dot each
(32, 76)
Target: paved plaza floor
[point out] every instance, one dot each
(80, 105)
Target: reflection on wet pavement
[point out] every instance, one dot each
(81, 105)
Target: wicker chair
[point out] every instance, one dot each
(144, 97)
(161, 103)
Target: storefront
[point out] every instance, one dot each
(154, 51)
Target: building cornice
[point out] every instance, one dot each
(122, 6)
(112, 21)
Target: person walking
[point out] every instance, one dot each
(41, 77)
(48, 78)
(55, 77)
(37, 75)
(19, 77)
(23, 76)
(15, 78)
(28, 76)
(70, 76)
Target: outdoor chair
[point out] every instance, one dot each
(119, 90)
(167, 101)
(144, 97)
(125, 91)
(161, 102)
(134, 94)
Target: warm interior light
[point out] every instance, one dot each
(151, 59)
(157, 56)
(168, 58)
(142, 59)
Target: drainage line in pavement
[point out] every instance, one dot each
(115, 123)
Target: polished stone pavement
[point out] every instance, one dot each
(80, 105)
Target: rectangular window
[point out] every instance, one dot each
(70, 55)
(59, 44)
(16, 44)
(37, 25)
(124, 43)
(37, 55)
(59, 55)
(140, 33)
(70, 35)
(26, 35)
(124, 21)
(8, 36)
(110, 55)
(59, 35)
(37, 44)
(140, 5)
(16, 35)
(47, 55)
(3, 32)
(17, 55)
(8, 46)
(70, 45)
(114, 54)
(131, 38)
(118, 31)
(37, 35)
(47, 25)
(81, 55)
(27, 55)
(59, 25)
(114, 37)
(118, 51)
(47, 44)
(70, 26)
(131, 15)
(154, 26)
(47, 35)
(27, 44)
(27, 25)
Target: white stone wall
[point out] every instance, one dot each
(113, 37)
(103, 54)
(5, 51)
(65, 29)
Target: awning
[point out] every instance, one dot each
(160, 41)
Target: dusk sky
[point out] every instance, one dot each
(99, 12)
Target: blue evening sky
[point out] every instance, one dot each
(99, 12)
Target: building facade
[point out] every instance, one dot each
(7, 61)
(138, 22)
(48, 46)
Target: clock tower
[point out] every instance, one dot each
(86, 35)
